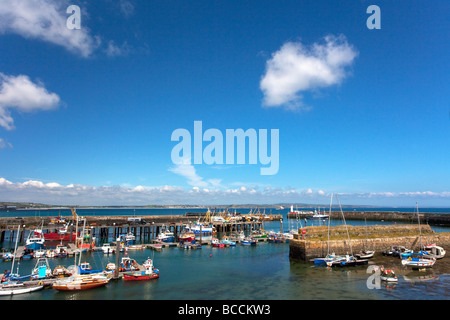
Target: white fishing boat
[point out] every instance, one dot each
(318, 216)
(35, 240)
(166, 235)
(199, 228)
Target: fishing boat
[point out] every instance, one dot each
(61, 234)
(274, 238)
(150, 272)
(318, 216)
(217, 244)
(228, 242)
(259, 234)
(60, 272)
(50, 253)
(199, 228)
(41, 270)
(249, 241)
(128, 264)
(166, 236)
(35, 240)
(27, 254)
(8, 256)
(60, 251)
(86, 268)
(128, 238)
(186, 237)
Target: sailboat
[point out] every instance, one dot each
(330, 257)
(418, 260)
(365, 254)
(348, 259)
(10, 286)
(78, 281)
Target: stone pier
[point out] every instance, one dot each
(314, 242)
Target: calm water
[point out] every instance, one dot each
(264, 272)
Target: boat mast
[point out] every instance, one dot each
(328, 244)
(346, 227)
(420, 230)
(15, 249)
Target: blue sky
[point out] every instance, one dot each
(86, 115)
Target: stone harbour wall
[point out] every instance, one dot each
(314, 242)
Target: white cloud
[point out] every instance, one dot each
(187, 170)
(295, 69)
(75, 194)
(46, 20)
(5, 144)
(20, 93)
(113, 50)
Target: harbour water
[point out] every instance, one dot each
(262, 272)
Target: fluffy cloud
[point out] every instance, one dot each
(20, 93)
(296, 68)
(46, 20)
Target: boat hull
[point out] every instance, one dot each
(59, 237)
(80, 286)
(139, 277)
(13, 290)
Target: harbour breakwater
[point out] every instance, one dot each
(314, 243)
(431, 218)
(111, 226)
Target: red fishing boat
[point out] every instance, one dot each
(149, 272)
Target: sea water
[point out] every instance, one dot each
(262, 272)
